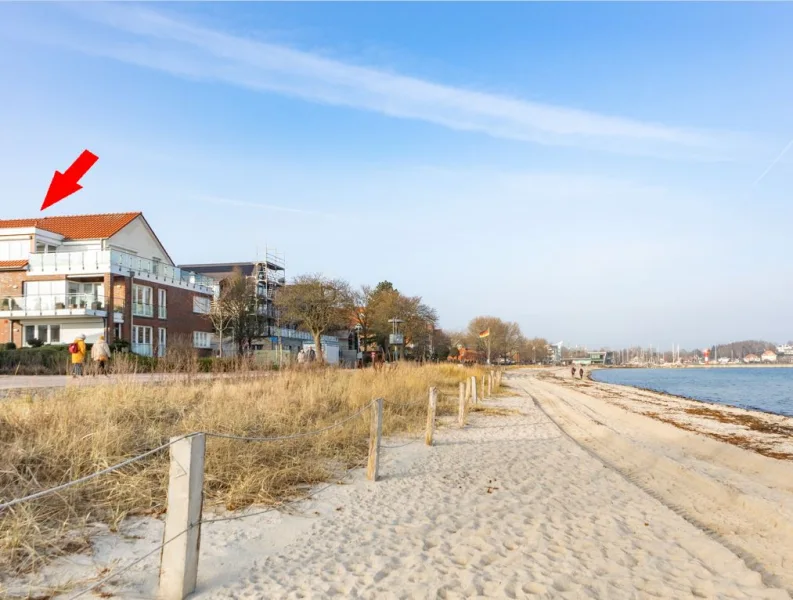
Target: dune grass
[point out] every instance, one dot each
(79, 431)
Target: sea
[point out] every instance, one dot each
(757, 388)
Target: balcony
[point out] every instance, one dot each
(57, 305)
(100, 262)
(140, 309)
(142, 349)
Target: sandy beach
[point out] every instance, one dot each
(549, 492)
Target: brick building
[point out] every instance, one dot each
(97, 274)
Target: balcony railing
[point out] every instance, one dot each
(140, 309)
(162, 312)
(92, 261)
(47, 302)
(103, 261)
(299, 335)
(142, 349)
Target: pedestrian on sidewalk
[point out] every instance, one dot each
(100, 354)
(77, 350)
(580, 373)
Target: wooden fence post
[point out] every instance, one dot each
(375, 433)
(461, 413)
(431, 416)
(473, 389)
(182, 535)
(467, 388)
(482, 395)
(490, 385)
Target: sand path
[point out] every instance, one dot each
(742, 498)
(509, 507)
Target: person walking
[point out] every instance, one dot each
(100, 354)
(301, 357)
(77, 350)
(572, 371)
(581, 372)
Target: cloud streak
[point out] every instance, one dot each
(274, 207)
(774, 162)
(154, 40)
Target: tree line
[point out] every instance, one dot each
(324, 306)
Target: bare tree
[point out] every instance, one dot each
(316, 304)
(234, 311)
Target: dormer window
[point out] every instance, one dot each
(44, 248)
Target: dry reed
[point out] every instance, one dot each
(79, 431)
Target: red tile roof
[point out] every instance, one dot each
(13, 264)
(77, 227)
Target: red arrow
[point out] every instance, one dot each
(65, 184)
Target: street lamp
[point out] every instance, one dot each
(359, 354)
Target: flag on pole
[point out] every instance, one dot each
(485, 333)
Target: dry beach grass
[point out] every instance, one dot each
(79, 431)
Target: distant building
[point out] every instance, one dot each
(751, 358)
(724, 360)
(768, 356)
(785, 349)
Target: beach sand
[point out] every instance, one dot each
(512, 506)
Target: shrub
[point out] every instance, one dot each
(44, 360)
(10, 346)
(35, 343)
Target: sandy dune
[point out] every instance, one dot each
(509, 507)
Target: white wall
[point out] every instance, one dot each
(14, 249)
(92, 328)
(331, 353)
(137, 239)
(71, 328)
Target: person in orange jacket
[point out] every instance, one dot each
(77, 350)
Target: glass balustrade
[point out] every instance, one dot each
(101, 261)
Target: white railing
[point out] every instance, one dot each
(139, 309)
(94, 261)
(103, 261)
(300, 335)
(54, 302)
(142, 349)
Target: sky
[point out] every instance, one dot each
(602, 174)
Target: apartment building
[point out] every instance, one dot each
(105, 274)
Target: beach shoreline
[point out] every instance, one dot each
(533, 498)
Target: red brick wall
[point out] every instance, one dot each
(11, 285)
(180, 321)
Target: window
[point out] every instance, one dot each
(162, 305)
(201, 305)
(142, 297)
(44, 248)
(162, 339)
(46, 334)
(118, 333)
(202, 339)
(141, 340)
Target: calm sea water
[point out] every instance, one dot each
(770, 390)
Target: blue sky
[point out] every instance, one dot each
(598, 173)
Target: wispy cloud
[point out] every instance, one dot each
(263, 206)
(152, 39)
(774, 162)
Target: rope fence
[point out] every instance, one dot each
(179, 563)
